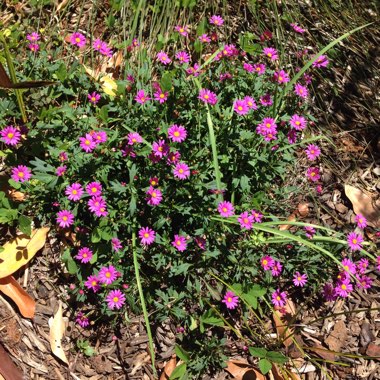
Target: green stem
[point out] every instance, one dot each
(142, 300)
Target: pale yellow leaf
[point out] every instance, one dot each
(20, 250)
(57, 330)
(109, 85)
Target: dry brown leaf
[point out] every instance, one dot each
(337, 337)
(240, 370)
(303, 209)
(363, 204)
(169, 368)
(57, 330)
(15, 195)
(282, 322)
(291, 218)
(12, 289)
(61, 5)
(20, 250)
(8, 371)
(277, 374)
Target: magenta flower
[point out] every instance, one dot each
(105, 50)
(364, 282)
(161, 96)
(74, 192)
(378, 263)
(310, 231)
(96, 204)
(204, 38)
(361, 221)
(329, 293)
(181, 171)
(193, 70)
(94, 189)
(208, 96)
(299, 279)
(231, 300)
(61, 170)
(248, 67)
(267, 262)
(216, 20)
(154, 197)
(92, 283)
(134, 138)
(354, 241)
(276, 268)
(87, 143)
(182, 30)
(298, 122)
(82, 320)
(281, 77)
(63, 156)
(115, 299)
(251, 103)
(279, 298)
(321, 61)
(297, 28)
(349, 266)
(312, 152)
(78, 39)
(33, 37)
(177, 133)
(225, 76)
(362, 265)
(94, 97)
(97, 44)
(99, 137)
(153, 181)
(343, 289)
(226, 209)
(116, 244)
(34, 47)
(179, 243)
(183, 57)
(301, 91)
(163, 58)
(313, 174)
(266, 100)
(160, 148)
(257, 216)
(268, 125)
(107, 275)
(65, 218)
(173, 157)
(271, 53)
(141, 97)
(21, 173)
(246, 220)
(10, 135)
(241, 107)
(259, 68)
(84, 255)
(147, 235)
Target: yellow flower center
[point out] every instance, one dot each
(74, 192)
(153, 183)
(178, 242)
(77, 39)
(354, 241)
(10, 135)
(206, 96)
(84, 255)
(269, 55)
(181, 30)
(240, 108)
(245, 220)
(344, 287)
(162, 96)
(93, 98)
(146, 235)
(142, 99)
(64, 218)
(299, 278)
(280, 77)
(229, 299)
(134, 140)
(94, 189)
(160, 148)
(154, 195)
(298, 123)
(224, 209)
(87, 142)
(20, 174)
(176, 133)
(108, 274)
(278, 298)
(268, 125)
(94, 283)
(115, 299)
(265, 262)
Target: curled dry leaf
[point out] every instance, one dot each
(169, 368)
(57, 330)
(15, 195)
(302, 211)
(20, 250)
(241, 369)
(12, 289)
(8, 370)
(363, 204)
(282, 322)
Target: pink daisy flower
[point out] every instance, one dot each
(276, 269)
(65, 218)
(182, 30)
(361, 221)
(92, 283)
(183, 57)
(364, 282)
(161, 96)
(216, 20)
(160, 148)
(34, 47)
(297, 28)
(266, 100)
(154, 197)
(279, 298)
(141, 97)
(226, 209)
(362, 265)
(147, 235)
(267, 262)
(134, 138)
(204, 38)
(313, 174)
(329, 293)
(105, 50)
(181, 171)
(354, 241)
(107, 275)
(63, 156)
(97, 44)
(84, 255)
(349, 266)
(153, 181)
(96, 203)
(94, 189)
(321, 61)
(298, 122)
(271, 53)
(310, 231)
(179, 243)
(378, 263)
(248, 67)
(246, 220)
(343, 289)
(33, 37)
(94, 97)
(173, 158)
(10, 135)
(177, 133)
(87, 143)
(299, 279)
(115, 299)
(268, 125)
(21, 173)
(78, 39)
(116, 244)
(99, 136)
(208, 96)
(61, 170)
(301, 91)
(251, 103)
(193, 70)
(281, 77)
(231, 300)
(241, 107)
(312, 152)
(163, 58)
(225, 76)
(257, 216)
(74, 192)
(259, 68)
(82, 320)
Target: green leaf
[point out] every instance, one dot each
(257, 291)
(25, 225)
(276, 357)
(265, 366)
(258, 352)
(7, 216)
(69, 262)
(193, 323)
(14, 184)
(210, 318)
(96, 235)
(178, 372)
(182, 354)
(166, 81)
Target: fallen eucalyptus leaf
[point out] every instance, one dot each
(240, 370)
(57, 330)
